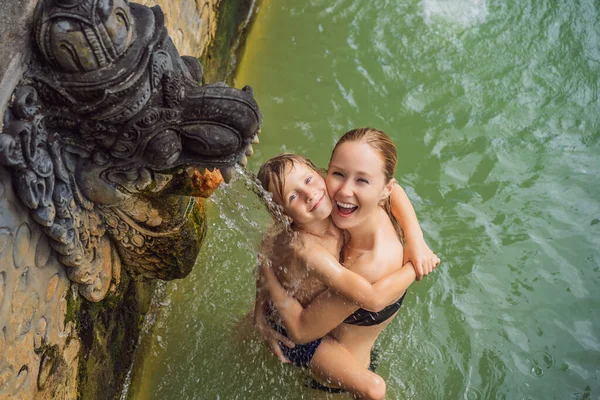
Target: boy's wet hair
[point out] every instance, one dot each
(272, 173)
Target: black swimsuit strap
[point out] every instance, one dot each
(362, 317)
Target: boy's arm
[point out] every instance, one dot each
(416, 249)
(269, 335)
(325, 312)
(325, 267)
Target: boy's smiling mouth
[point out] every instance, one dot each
(318, 203)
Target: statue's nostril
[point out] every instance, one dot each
(164, 148)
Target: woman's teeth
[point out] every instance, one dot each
(346, 208)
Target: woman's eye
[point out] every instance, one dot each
(363, 180)
(308, 180)
(337, 174)
(292, 197)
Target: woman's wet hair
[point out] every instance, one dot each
(385, 147)
(379, 141)
(272, 173)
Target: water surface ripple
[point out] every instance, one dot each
(494, 108)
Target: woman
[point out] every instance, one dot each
(360, 178)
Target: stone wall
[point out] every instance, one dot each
(192, 24)
(212, 30)
(53, 343)
(15, 46)
(39, 349)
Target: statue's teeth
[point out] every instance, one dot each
(249, 151)
(243, 161)
(255, 139)
(228, 174)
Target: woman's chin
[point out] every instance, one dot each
(343, 221)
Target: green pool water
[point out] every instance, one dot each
(494, 108)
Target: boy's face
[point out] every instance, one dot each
(304, 197)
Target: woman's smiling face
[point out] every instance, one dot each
(355, 182)
(304, 195)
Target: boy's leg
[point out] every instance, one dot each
(334, 364)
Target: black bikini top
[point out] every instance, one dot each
(362, 317)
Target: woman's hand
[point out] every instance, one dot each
(423, 259)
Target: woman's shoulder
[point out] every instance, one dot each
(388, 246)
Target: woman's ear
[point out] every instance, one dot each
(387, 189)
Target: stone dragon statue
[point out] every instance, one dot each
(104, 134)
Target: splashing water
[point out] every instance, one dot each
(275, 210)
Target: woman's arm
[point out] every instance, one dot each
(326, 311)
(416, 249)
(325, 267)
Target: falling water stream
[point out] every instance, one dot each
(494, 108)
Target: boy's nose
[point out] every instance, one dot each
(308, 196)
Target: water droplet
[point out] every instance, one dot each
(537, 371)
(473, 393)
(543, 359)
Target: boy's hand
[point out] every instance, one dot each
(272, 338)
(423, 259)
(269, 335)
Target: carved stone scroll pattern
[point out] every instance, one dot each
(43, 177)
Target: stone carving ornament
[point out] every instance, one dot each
(102, 133)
